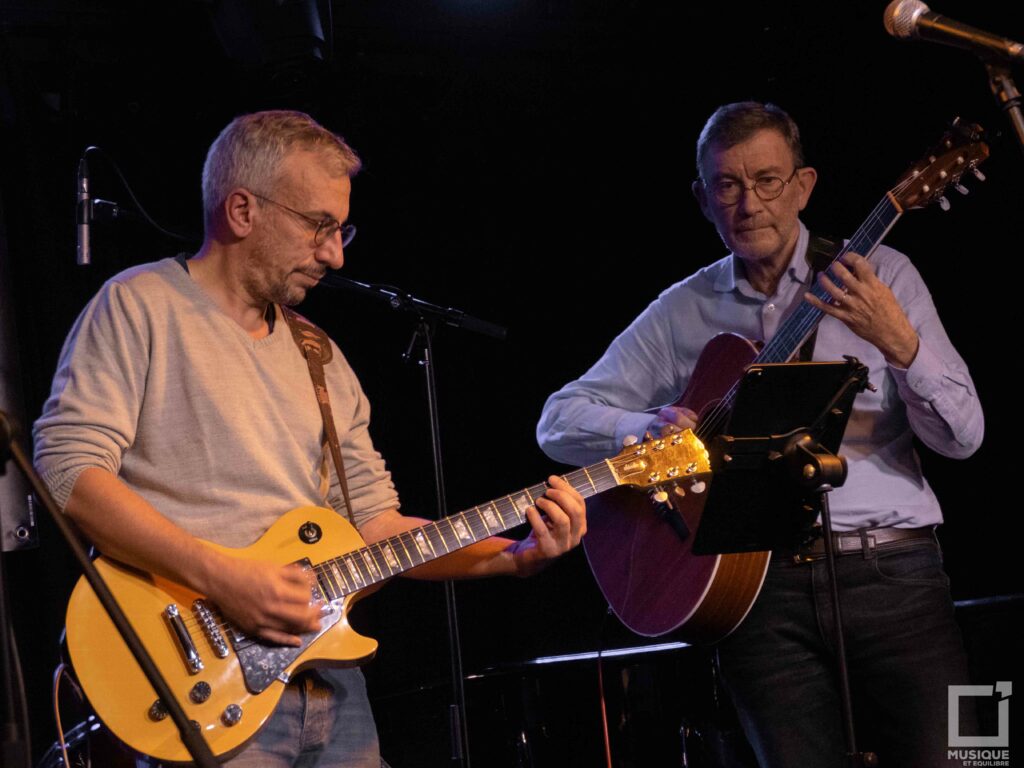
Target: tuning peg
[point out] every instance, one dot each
(978, 174)
(660, 497)
(944, 203)
(961, 189)
(629, 440)
(698, 487)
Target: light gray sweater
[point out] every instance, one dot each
(221, 433)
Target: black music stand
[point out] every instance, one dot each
(774, 466)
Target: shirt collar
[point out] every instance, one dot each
(733, 276)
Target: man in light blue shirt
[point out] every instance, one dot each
(904, 646)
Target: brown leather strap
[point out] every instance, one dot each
(316, 348)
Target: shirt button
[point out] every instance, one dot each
(770, 307)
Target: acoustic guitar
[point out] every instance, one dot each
(645, 567)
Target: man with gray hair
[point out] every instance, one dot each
(903, 644)
(182, 413)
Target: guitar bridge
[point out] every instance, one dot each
(208, 621)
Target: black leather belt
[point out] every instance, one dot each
(864, 541)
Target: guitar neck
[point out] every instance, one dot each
(798, 326)
(361, 568)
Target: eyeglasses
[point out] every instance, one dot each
(729, 191)
(325, 227)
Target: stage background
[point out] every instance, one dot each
(529, 163)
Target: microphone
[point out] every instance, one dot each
(83, 216)
(912, 18)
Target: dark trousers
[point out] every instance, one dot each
(903, 649)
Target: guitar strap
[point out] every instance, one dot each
(821, 251)
(316, 348)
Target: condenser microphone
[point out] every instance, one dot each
(911, 18)
(83, 216)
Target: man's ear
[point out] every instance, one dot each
(702, 199)
(240, 212)
(806, 178)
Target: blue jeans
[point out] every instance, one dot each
(903, 649)
(323, 720)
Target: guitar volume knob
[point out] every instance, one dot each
(310, 532)
(157, 711)
(232, 715)
(200, 692)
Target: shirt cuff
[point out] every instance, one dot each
(924, 376)
(635, 424)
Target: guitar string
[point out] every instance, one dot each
(804, 319)
(716, 417)
(801, 322)
(809, 318)
(583, 480)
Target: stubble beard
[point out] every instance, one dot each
(265, 282)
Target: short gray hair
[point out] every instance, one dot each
(249, 150)
(732, 124)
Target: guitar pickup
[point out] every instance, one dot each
(185, 644)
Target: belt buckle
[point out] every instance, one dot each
(805, 551)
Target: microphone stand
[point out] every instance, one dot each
(400, 300)
(190, 737)
(427, 317)
(1004, 89)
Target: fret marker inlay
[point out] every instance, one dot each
(421, 543)
(461, 530)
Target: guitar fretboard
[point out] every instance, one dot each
(361, 568)
(799, 325)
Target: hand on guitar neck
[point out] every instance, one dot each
(867, 307)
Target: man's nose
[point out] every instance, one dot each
(749, 202)
(331, 252)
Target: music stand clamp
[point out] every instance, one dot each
(773, 470)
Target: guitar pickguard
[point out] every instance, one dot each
(263, 663)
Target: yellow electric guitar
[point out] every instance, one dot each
(228, 683)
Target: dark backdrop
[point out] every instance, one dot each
(528, 162)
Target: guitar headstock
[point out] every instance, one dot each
(661, 461)
(961, 149)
